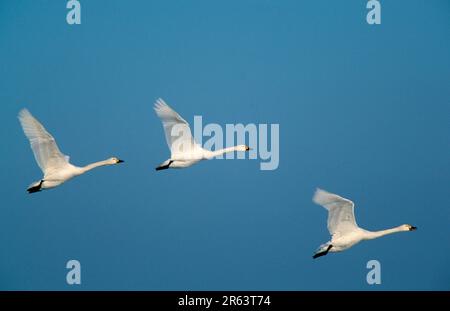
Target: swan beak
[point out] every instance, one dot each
(120, 161)
(412, 228)
(247, 148)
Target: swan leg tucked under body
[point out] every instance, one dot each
(53, 163)
(183, 148)
(342, 224)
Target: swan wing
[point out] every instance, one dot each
(178, 134)
(341, 216)
(44, 147)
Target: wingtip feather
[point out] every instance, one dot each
(159, 104)
(23, 113)
(318, 195)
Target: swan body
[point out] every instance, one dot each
(185, 151)
(53, 163)
(342, 224)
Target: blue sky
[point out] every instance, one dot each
(363, 112)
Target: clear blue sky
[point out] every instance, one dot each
(363, 112)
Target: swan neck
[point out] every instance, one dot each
(212, 154)
(376, 234)
(94, 165)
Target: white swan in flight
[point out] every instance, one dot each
(183, 148)
(53, 163)
(342, 225)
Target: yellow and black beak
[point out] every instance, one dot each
(412, 228)
(120, 161)
(247, 148)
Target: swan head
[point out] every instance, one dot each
(243, 148)
(115, 160)
(408, 227)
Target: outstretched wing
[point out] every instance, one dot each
(341, 216)
(178, 134)
(43, 144)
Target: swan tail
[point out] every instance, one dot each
(35, 187)
(165, 165)
(323, 250)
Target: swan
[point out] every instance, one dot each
(53, 163)
(342, 225)
(183, 148)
